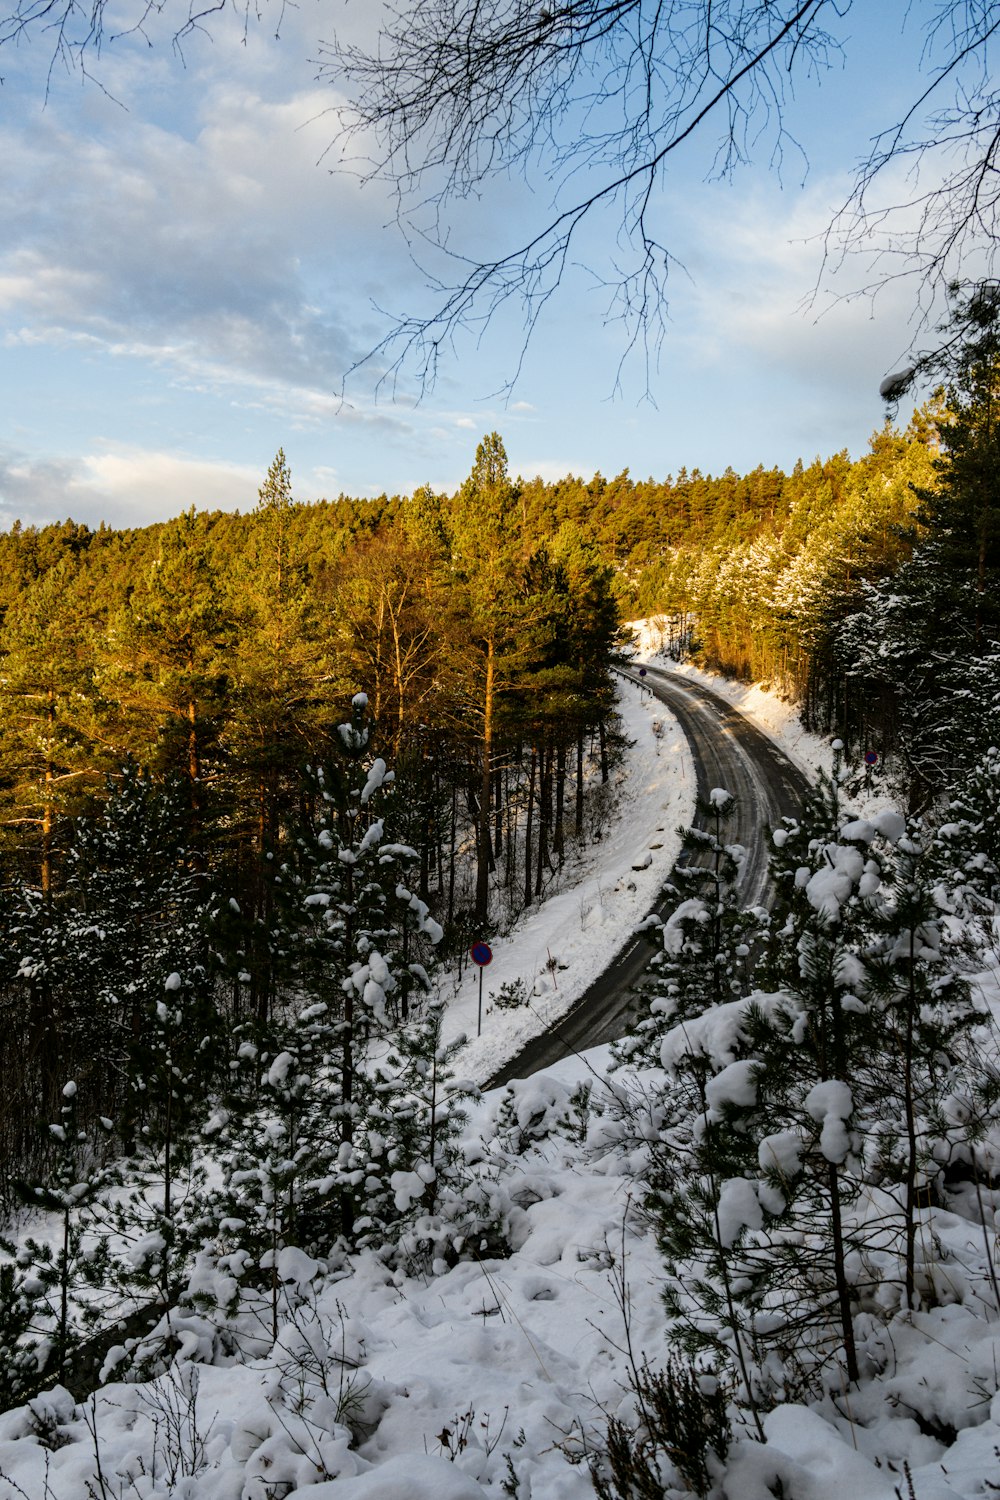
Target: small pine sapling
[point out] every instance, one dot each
(423, 1201)
(707, 941)
(155, 1217)
(915, 984)
(55, 1273)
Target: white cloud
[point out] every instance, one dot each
(130, 486)
(122, 486)
(33, 490)
(551, 469)
(218, 252)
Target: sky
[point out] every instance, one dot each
(186, 275)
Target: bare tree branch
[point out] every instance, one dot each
(598, 91)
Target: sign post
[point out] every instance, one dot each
(482, 954)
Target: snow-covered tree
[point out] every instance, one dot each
(57, 1271)
(802, 1131)
(707, 940)
(424, 1203)
(352, 940)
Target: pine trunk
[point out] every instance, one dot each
(529, 815)
(578, 824)
(558, 836)
(485, 850)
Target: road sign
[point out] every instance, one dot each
(871, 757)
(482, 954)
(642, 671)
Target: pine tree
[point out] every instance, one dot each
(165, 658)
(805, 1126)
(349, 941)
(143, 920)
(177, 1055)
(920, 646)
(74, 1192)
(915, 986)
(279, 668)
(50, 729)
(135, 912)
(707, 941)
(271, 1144)
(422, 1202)
(485, 551)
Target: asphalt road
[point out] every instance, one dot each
(728, 752)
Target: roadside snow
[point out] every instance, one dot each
(777, 717)
(560, 946)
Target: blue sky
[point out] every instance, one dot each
(183, 281)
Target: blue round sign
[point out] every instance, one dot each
(482, 954)
(871, 757)
(642, 671)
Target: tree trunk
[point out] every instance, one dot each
(485, 850)
(451, 852)
(347, 1063)
(578, 825)
(498, 812)
(527, 827)
(47, 809)
(840, 1274)
(910, 1209)
(510, 850)
(558, 837)
(544, 815)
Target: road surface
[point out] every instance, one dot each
(728, 752)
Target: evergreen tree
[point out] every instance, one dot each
(154, 1219)
(135, 909)
(272, 1146)
(55, 1275)
(422, 1201)
(921, 646)
(349, 941)
(141, 920)
(485, 557)
(51, 734)
(165, 657)
(803, 1129)
(279, 668)
(708, 940)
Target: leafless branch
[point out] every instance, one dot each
(603, 92)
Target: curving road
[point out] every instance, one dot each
(728, 752)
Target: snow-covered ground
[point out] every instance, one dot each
(560, 946)
(774, 715)
(495, 1377)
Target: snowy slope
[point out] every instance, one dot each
(603, 898)
(496, 1376)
